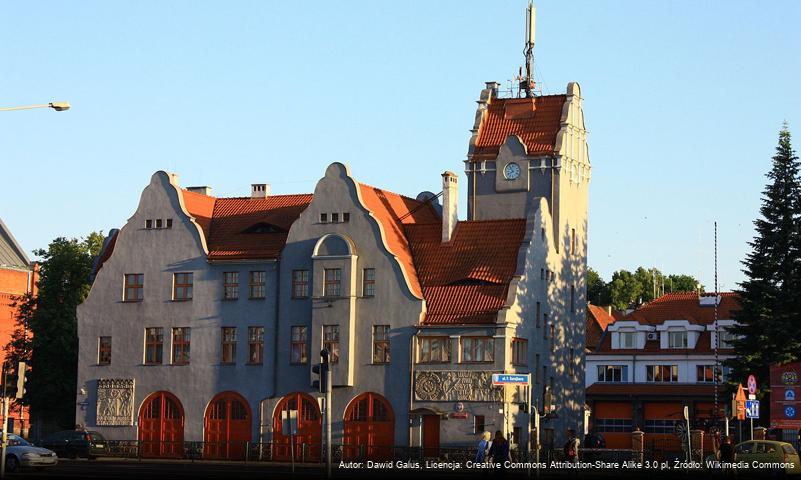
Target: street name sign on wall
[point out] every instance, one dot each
(499, 379)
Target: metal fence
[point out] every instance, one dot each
(314, 453)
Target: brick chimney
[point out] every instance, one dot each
(450, 200)
(259, 190)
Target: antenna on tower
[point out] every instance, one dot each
(527, 82)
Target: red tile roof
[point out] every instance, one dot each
(597, 320)
(393, 212)
(466, 280)
(535, 120)
(702, 346)
(225, 222)
(684, 306)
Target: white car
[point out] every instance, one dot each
(23, 453)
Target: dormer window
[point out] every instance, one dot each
(628, 339)
(263, 227)
(677, 340)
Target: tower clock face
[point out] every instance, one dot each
(511, 171)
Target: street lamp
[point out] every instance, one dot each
(57, 106)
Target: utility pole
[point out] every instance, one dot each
(5, 422)
(323, 369)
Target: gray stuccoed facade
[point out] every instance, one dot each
(420, 308)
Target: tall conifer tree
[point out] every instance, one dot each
(770, 316)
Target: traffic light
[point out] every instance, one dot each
(322, 370)
(10, 380)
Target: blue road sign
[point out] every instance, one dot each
(509, 379)
(752, 409)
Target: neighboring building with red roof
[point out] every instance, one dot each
(654, 361)
(18, 277)
(417, 307)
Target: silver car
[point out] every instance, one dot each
(22, 453)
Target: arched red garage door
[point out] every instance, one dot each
(161, 426)
(226, 428)
(308, 441)
(369, 428)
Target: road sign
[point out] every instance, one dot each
(739, 403)
(752, 387)
(509, 379)
(752, 409)
(289, 422)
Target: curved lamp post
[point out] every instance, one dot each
(57, 106)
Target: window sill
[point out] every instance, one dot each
(482, 362)
(180, 300)
(101, 364)
(380, 364)
(301, 298)
(444, 362)
(132, 301)
(227, 364)
(257, 298)
(183, 364)
(153, 364)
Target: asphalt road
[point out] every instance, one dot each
(148, 470)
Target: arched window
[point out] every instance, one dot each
(333, 245)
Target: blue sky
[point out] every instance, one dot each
(683, 101)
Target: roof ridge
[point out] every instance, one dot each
(267, 197)
(389, 191)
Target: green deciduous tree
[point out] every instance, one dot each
(769, 321)
(50, 317)
(598, 291)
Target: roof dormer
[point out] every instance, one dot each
(679, 334)
(629, 334)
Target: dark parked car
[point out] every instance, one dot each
(76, 443)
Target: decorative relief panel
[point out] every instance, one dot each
(115, 399)
(455, 386)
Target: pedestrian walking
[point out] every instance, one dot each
(483, 447)
(571, 447)
(499, 452)
(727, 456)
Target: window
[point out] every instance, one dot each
(477, 349)
(519, 351)
(333, 282)
(154, 345)
(230, 285)
(323, 218)
(104, 351)
(159, 223)
(228, 339)
(613, 373)
(346, 217)
(255, 345)
(571, 359)
(628, 339)
(572, 240)
(300, 283)
(706, 373)
(148, 224)
(660, 426)
(169, 223)
(180, 345)
(368, 282)
(331, 342)
(335, 217)
(539, 313)
(256, 285)
(662, 373)
(380, 343)
(677, 339)
(545, 326)
(182, 286)
(542, 274)
(478, 424)
(553, 336)
(134, 287)
(572, 299)
(724, 338)
(434, 350)
(609, 425)
(297, 353)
